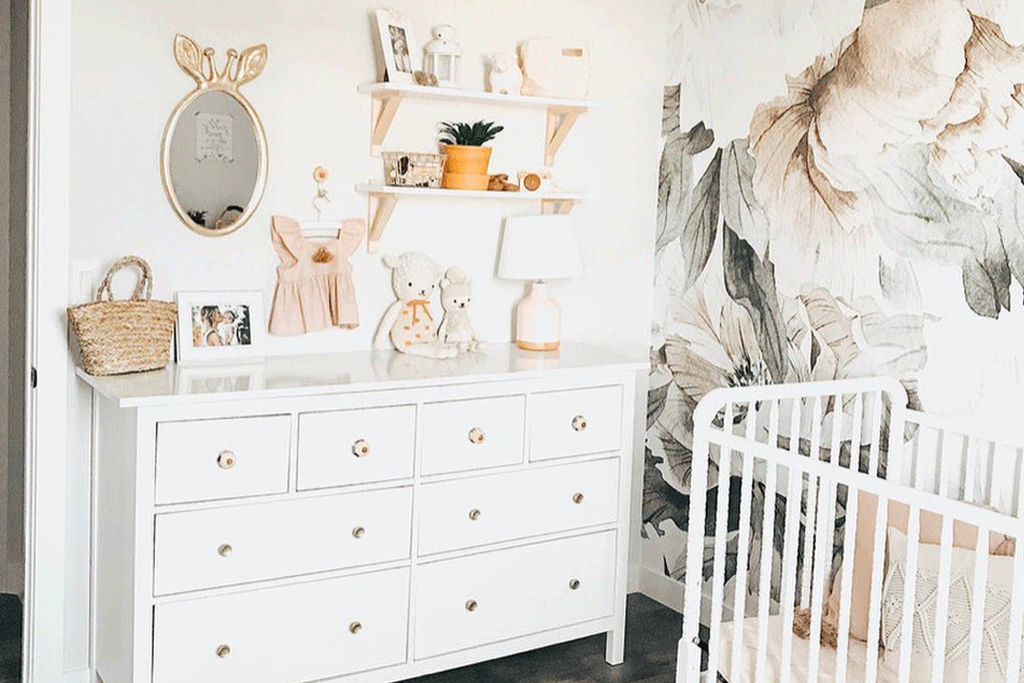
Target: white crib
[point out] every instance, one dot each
(780, 537)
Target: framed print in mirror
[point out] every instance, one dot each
(220, 326)
(401, 57)
(213, 159)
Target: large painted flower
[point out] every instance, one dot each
(727, 63)
(905, 138)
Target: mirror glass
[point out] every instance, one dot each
(215, 162)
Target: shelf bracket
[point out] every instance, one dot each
(379, 210)
(557, 206)
(383, 114)
(560, 122)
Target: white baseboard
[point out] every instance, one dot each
(633, 579)
(661, 588)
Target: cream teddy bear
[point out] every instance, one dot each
(408, 321)
(456, 295)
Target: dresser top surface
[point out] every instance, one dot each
(284, 376)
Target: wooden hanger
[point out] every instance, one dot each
(320, 228)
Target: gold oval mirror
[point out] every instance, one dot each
(213, 158)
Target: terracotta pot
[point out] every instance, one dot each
(465, 167)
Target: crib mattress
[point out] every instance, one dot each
(855, 668)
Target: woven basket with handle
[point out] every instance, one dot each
(118, 337)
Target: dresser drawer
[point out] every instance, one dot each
(235, 545)
(356, 446)
(469, 435)
(469, 512)
(510, 593)
(296, 633)
(215, 459)
(577, 422)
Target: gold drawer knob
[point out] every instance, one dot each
(223, 651)
(476, 435)
(225, 550)
(361, 448)
(577, 498)
(226, 460)
(474, 514)
(579, 423)
(574, 584)
(358, 532)
(471, 605)
(355, 628)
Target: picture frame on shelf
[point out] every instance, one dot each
(401, 56)
(220, 326)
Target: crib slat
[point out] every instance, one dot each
(856, 431)
(822, 560)
(812, 506)
(1013, 649)
(721, 535)
(743, 547)
(792, 535)
(876, 434)
(834, 451)
(909, 593)
(970, 470)
(979, 597)
(875, 602)
(846, 594)
(767, 546)
(942, 606)
(945, 484)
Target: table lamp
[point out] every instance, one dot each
(539, 248)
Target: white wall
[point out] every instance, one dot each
(125, 84)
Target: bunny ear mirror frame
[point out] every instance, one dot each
(213, 158)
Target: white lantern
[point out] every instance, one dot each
(441, 56)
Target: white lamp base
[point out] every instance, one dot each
(538, 321)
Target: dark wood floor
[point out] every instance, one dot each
(10, 639)
(652, 635)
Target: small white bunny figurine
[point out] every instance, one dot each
(504, 75)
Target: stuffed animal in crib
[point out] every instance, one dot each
(408, 321)
(504, 76)
(456, 295)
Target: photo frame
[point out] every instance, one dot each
(401, 54)
(219, 327)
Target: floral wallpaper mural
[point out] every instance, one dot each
(842, 196)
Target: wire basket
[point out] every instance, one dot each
(413, 169)
(117, 337)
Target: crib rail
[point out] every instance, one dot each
(789, 471)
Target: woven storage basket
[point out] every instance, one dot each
(118, 337)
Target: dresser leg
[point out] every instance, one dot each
(615, 646)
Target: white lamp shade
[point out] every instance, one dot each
(539, 248)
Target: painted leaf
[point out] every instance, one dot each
(1018, 169)
(251, 63)
(740, 208)
(189, 57)
(662, 502)
(919, 221)
(751, 283)
(899, 283)
(698, 236)
(656, 403)
(675, 173)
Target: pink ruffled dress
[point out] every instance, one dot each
(314, 279)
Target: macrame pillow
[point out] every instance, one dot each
(964, 536)
(995, 633)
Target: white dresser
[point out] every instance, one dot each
(362, 517)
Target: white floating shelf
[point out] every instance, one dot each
(561, 113)
(382, 200)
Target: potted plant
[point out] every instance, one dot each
(467, 159)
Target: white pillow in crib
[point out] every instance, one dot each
(958, 631)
